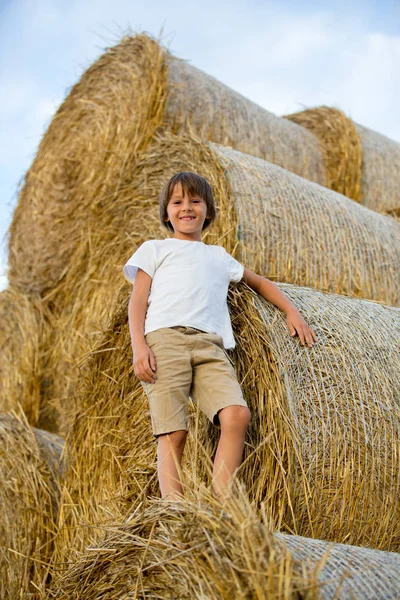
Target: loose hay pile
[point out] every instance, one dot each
(192, 549)
(29, 495)
(198, 548)
(322, 447)
(360, 163)
(23, 355)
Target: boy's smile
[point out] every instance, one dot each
(186, 214)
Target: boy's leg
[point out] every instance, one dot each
(169, 456)
(217, 391)
(234, 421)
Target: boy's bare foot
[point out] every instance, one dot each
(175, 497)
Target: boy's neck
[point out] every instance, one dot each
(187, 239)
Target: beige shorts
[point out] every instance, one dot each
(191, 363)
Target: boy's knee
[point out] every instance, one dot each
(175, 438)
(234, 416)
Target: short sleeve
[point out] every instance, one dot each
(144, 258)
(235, 268)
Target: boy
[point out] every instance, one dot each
(180, 327)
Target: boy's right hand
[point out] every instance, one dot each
(144, 363)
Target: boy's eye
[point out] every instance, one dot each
(178, 201)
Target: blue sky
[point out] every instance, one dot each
(284, 55)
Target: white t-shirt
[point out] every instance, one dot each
(189, 285)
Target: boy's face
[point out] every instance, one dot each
(186, 214)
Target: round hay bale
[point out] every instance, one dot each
(197, 548)
(360, 163)
(29, 496)
(192, 549)
(24, 320)
(85, 161)
(362, 573)
(290, 230)
(322, 449)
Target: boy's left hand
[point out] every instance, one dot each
(296, 324)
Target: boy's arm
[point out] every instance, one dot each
(273, 294)
(138, 307)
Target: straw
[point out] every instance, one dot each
(360, 163)
(199, 548)
(194, 548)
(24, 327)
(29, 495)
(321, 452)
(277, 224)
(86, 159)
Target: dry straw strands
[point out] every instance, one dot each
(290, 229)
(29, 493)
(364, 574)
(197, 548)
(360, 163)
(192, 549)
(86, 158)
(322, 451)
(336, 410)
(24, 320)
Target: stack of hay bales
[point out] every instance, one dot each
(322, 418)
(29, 494)
(283, 222)
(79, 213)
(360, 163)
(72, 203)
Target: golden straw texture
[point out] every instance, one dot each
(29, 494)
(336, 440)
(361, 573)
(195, 548)
(381, 172)
(289, 230)
(341, 146)
(360, 163)
(23, 355)
(86, 158)
(298, 232)
(198, 548)
(322, 450)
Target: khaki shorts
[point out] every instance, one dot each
(191, 363)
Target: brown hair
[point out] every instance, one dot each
(194, 185)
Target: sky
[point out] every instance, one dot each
(283, 54)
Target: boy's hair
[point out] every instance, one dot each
(194, 185)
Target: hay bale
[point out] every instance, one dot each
(360, 163)
(23, 355)
(322, 450)
(289, 229)
(364, 574)
(29, 495)
(192, 549)
(86, 159)
(199, 549)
